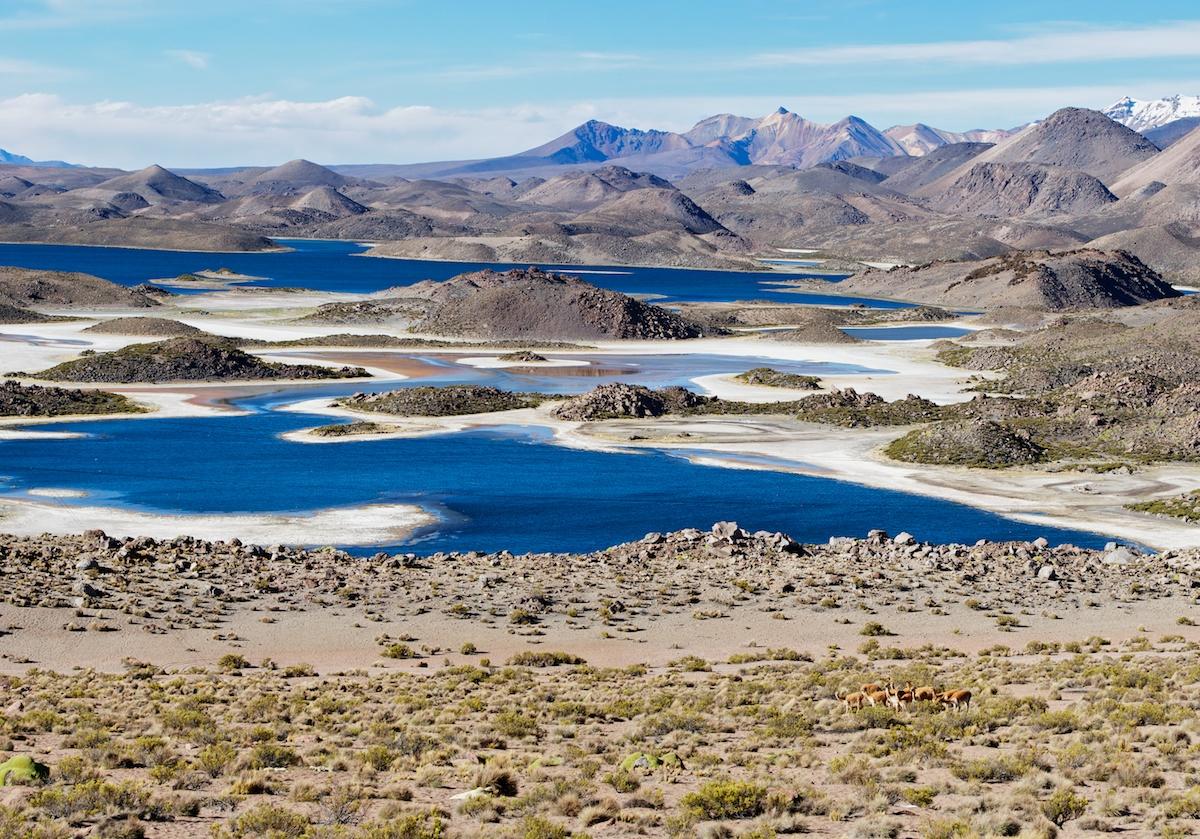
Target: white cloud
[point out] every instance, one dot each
(1166, 40)
(350, 129)
(192, 58)
(54, 14)
(624, 58)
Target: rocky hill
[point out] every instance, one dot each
(1117, 389)
(17, 400)
(1005, 190)
(15, 314)
(448, 401)
(644, 211)
(296, 177)
(1179, 164)
(1079, 279)
(536, 304)
(26, 287)
(327, 200)
(154, 327)
(580, 191)
(154, 185)
(618, 400)
(185, 360)
(1070, 138)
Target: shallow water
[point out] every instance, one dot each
(650, 370)
(333, 266)
(905, 333)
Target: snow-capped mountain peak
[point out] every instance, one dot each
(1143, 115)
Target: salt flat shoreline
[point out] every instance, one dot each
(1072, 500)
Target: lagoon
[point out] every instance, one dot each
(336, 266)
(499, 488)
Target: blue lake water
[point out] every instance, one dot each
(905, 333)
(333, 266)
(503, 488)
(491, 489)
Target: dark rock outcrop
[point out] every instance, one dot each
(17, 400)
(156, 327)
(186, 360)
(448, 401)
(623, 401)
(1064, 281)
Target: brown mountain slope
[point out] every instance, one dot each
(642, 211)
(25, 287)
(1080, 279)
(910, 174)
(1179, 164)
(1072, 138)
(535, 304)
(156, 184)
(1006, 190)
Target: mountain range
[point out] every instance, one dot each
(728, 140)
(1146, 115)
(781, 138)
(8, 158)
(722, 194)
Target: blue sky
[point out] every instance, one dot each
(218, 82)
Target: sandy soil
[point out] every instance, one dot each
(649, 601)
(339, 638)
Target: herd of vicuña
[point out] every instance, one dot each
(898, 699)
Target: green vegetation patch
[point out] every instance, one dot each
(981, 444)
(530, 658)
(1186, 506)
(351, 429)
(769, 377)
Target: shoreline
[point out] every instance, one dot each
(370, 525)
(1082, 501)
(563, 268)
(1051, 499)
(147, 248)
